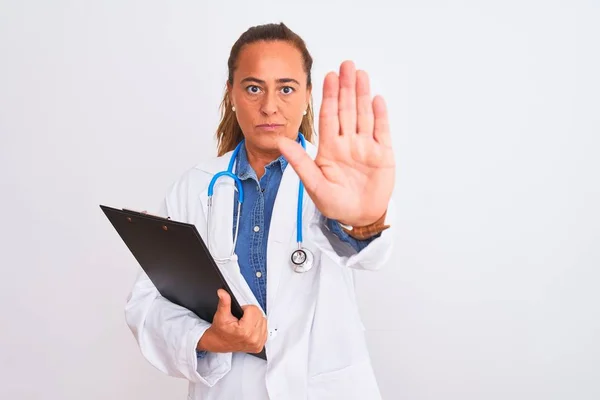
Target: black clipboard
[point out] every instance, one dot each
(176, 260)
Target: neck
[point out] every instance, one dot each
(258, 159)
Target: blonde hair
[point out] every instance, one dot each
(229, 133)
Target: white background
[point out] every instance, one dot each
(493, 293)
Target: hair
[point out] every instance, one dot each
(229, 132)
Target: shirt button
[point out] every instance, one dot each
(258, 274)
(256, 228)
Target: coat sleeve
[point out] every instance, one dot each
(167, 333)
(372, 257)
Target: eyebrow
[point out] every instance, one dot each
(260, 81)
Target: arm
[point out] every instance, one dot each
(352, 177)
(176, 341)
(373, 256)
(168, 334)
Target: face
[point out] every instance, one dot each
(269, 93)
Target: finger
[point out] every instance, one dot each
(329, 126)
(347, 98)
(259, 337)
(364, 109)
(381, 131)
(224, 306)
(251, 317)
(308, 171)
(265, 333)
(260, 329)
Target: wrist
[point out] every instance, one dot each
(365, 231)
(362, 221)
(205, 342)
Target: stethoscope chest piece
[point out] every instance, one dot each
(302, 260)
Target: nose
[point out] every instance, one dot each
(269, 104)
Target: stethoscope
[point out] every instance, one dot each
(301, 258)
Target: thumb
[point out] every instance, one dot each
(308, 171)
(224, 306)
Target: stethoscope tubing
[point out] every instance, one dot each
(238, 185)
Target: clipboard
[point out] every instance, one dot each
(176, 260)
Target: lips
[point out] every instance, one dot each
(269, 127)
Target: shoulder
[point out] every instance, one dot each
(195, 180)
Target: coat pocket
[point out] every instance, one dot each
(353, 382)
(335, 384)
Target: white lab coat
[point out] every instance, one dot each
(316, 347)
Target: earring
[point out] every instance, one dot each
(233, 108)
(304, 113)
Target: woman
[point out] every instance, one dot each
(308, 322)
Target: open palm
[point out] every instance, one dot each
(352, 177)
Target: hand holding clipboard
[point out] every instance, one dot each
(230, 334)
(178, 263)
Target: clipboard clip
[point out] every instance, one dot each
(146, 213)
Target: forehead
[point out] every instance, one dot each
(270, 61)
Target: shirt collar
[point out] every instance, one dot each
(245, 171)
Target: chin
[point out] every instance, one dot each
(266, 141)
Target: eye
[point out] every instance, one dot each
(287, 90)
(253, 89)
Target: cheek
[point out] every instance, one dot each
(295, 119)
(246, 112)
(294, 108)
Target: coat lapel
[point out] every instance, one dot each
(220, 242)
(282, 233)
(221, 238)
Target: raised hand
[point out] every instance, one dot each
(352, 177)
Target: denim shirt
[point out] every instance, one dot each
(259, 198)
